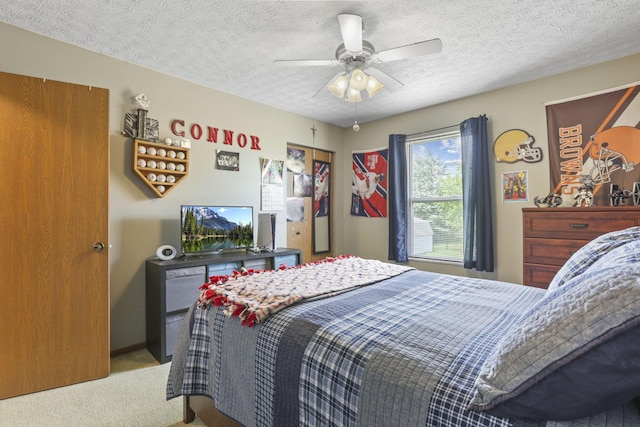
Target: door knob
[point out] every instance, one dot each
(98, 247)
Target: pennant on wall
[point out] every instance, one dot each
(369, 183)
(597, 136)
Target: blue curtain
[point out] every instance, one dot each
(476, 193)
(397, 193)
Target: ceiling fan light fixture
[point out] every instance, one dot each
(356, 54)
(358, 79)
(338, 86)
(353, 95)
(373, 86)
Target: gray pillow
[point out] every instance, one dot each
(573, 354)
(582, 259)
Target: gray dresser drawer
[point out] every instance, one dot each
(173, 324)
(288, 260)
(183, 287)
(257, 264)
(223, 269)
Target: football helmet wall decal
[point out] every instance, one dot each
(515, 144)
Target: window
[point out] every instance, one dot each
(435, 197)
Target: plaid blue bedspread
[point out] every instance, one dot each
(402, 352)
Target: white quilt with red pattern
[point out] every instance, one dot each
(253, 295)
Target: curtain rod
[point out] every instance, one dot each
(432, 130)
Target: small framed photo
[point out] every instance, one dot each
(515, 187)
(227, 160)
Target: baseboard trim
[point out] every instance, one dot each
(128, 349)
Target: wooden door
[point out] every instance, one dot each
(54, 292)
(300, 233)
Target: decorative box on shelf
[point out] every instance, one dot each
(160, 166)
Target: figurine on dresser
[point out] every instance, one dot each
(584, 195)
(618, 196)
(551, 200)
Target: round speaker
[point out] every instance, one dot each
(166, 252)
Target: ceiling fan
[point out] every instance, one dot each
(357, 55)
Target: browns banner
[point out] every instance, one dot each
(369, 183)
(596, 136)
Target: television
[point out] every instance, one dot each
(214, 229)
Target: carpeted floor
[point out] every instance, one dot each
(133, 395)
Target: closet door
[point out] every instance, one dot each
(301, 223)
(54, 292)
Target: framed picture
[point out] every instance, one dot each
(514, 187)
(227, 160)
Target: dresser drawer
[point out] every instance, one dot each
(257, 264)
(223, 269)
(580, 224)
(550, 251)
(183, 287)
(539, 275)
(172, 327)
(287, 260)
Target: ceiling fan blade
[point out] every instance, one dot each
(426, 47)
(390, 83)
(306, 62)
(351, 28)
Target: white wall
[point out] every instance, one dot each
(517, 107)
(140, 222)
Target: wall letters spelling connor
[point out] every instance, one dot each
(196, 132)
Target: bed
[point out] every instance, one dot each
(354, 342)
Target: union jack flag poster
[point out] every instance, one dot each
(369, 183)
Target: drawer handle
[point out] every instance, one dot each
(576, 225)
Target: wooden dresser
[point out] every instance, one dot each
(552, 235)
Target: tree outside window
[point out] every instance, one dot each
(435, 197)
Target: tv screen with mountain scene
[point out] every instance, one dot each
(215, 228)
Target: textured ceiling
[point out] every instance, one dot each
(231, 45)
